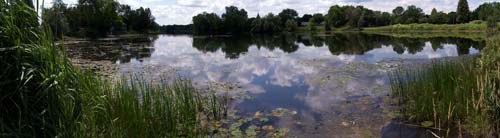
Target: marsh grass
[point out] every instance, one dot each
(43, 95)
(453, 94)
(474, 26)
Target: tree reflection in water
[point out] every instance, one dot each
(350, 43)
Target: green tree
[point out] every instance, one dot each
(352, 15)
(397, 14)
(235, 20)
(492, 22)
(361, 21)
(311, 26)
(98, 17)
(288, 14)
(328, 27)
(54, 17)
(486, 10)
(268, 24)
(318, 18)
(336, 16)
(305, 18)
(413, 14)
(207, 23)
(463, 12)
(291, 25)
(452, 16)
(434, 16)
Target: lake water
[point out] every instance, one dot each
(332, 85)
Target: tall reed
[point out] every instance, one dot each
(44, 95)
(453, 93)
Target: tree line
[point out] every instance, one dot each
(236, 20)
(337, 43)
(97, 18)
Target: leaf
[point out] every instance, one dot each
(251, 131)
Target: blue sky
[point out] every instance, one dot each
(181, 11)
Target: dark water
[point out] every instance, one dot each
(329, 85)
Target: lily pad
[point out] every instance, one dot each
(278, 112)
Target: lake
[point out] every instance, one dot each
(328, 85)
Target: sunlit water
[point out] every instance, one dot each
(332, 86)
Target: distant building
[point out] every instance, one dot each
(304, 23)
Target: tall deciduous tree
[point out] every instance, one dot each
(235, 20)
(288, 14)
(55, 18)
(463, 12)
(336, 16)
(318, 18)
(291, 25)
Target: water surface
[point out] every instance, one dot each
(332, 85)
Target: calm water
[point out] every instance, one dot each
(327, 85)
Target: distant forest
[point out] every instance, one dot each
(97, 18)
(236, 20)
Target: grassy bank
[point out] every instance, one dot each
(43, 95)
(477, 36)
(474, 26)
(457, 96)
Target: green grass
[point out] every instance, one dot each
(44, 95)
(453, 93)
(321, 29)
(474, 26)
(477, 36)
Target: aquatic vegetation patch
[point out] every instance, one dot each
(451, 95)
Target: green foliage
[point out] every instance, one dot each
(207, 23)
(318, 18)
(438, 17)
(350, 17)
(270, 23)
(311, 26)
(291, 25)
(444, 93)
(490, 55)
(44, 95)
(463, 12)
(55, 19)
(356, 17)
(177, 29)
(336, 16)
(139, 20)
(287, 14)
(97, 18)
(413, 14)
(475, 26)
(492, 23)
(486, 10)
(305, 18)
(235, 20)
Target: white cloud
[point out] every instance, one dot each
(181, 11)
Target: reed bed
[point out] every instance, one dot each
(458, 96)
(44, 95)
(474, 26)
